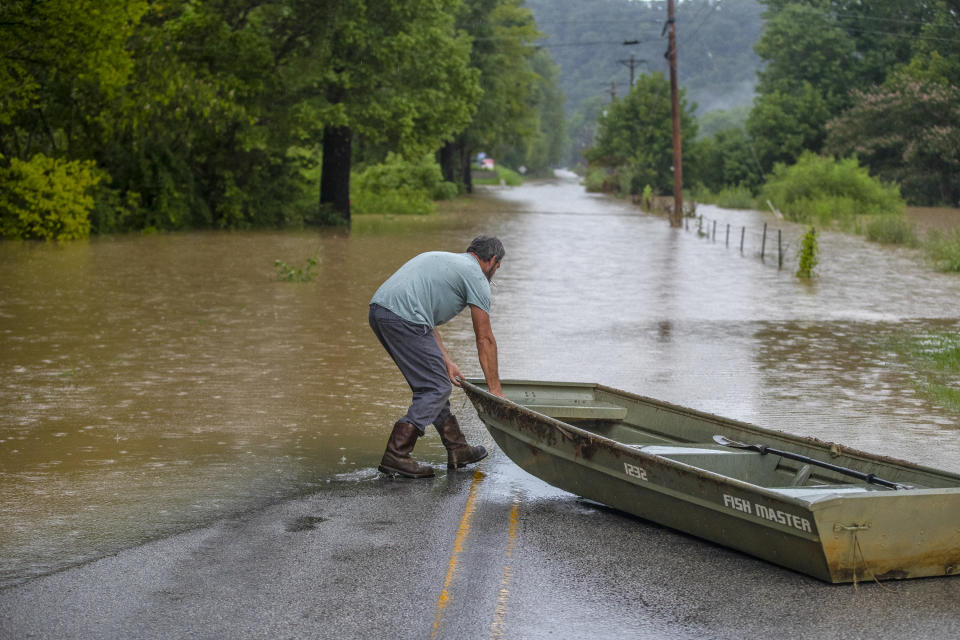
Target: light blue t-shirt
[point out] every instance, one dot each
(434, 287)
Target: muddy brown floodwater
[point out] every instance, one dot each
(153, 384)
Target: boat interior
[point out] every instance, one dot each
(689, 441)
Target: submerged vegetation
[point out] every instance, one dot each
(935, 359)
(944, 251)
(287, 273)
(808, 254)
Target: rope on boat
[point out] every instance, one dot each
(854, 548)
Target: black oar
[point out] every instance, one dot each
(764, 449)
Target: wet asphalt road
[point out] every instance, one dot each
(482, 553)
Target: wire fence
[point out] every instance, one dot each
(774, 246)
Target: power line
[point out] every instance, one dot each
(702, 22)
(548, 45)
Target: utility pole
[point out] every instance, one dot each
(676, 218)
(613, 91)
(631, 64)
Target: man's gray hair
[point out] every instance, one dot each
(486, 247)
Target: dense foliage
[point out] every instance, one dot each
(46, 199)
(400, 186)
(878, 79)
(226, 114)
(519, 116)
(635, 136)
(819, 189)
(908, 131)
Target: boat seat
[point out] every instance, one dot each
(819, 492)
(670, 451)
(592, 411)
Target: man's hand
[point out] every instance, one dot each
(454, 372)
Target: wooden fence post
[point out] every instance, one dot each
(779, 249)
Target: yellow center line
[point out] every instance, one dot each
(496, 627)
(462, 532)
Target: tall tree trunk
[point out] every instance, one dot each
(447, 158)
(335, 172)
(465, 166)
(947, 191)
(454, 160)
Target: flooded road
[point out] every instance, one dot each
(155, 384)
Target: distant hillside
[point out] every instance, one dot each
(716, 62)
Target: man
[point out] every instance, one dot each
(405, 311)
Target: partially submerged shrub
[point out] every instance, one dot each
(827, 190)
(808, 254)
(291, 274)
(595, 180)
(399, 185)
(944, 250)
(891, 229)
(738, 197)
(47, 198)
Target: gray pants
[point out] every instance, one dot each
(416, 353)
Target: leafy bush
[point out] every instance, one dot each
(944, 250)
(595, 180)
(400, 186)
(739, 197)
(509, 177)
(46, 198)
(891, 229)
(827, 190)
(400, 201)
(627, 181)
(808, 254)
(291, 274)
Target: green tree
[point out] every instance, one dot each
(547, 146)
(810, 69)
(502, 33)
(582, 127)
(396, 72)
(784, 124)
(54, 54)
(46, 198)
(727, 158)
(635, 134)
(906, 131)
(817, 52)
(936, 52)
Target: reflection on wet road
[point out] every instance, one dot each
(152, 384)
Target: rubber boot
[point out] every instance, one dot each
(459, 453)
(397, 458)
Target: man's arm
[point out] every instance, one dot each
(453, 371)
(486, 349)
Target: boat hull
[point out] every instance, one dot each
(849, 534)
